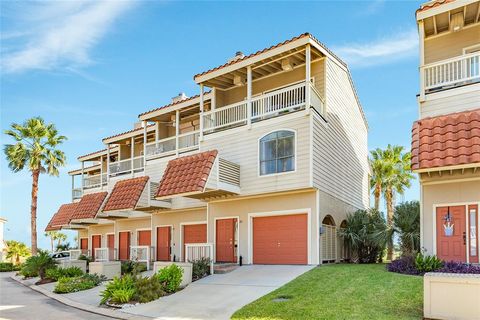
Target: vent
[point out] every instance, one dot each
(238, 55)
(181, 96)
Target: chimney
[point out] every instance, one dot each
(238, 55)
(181, 96)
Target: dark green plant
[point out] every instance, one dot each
(425, 263)
(86, 258)
(201, 268)
(132, 267)
(74, 284)
(123, 284)
(57, 273)
(406, 223)
(38, 264)
(8, 266)
(170, 278)
(121, 296)
(63, 246)
(147, 289)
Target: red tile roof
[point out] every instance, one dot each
(89, 205)
(92, 153)
(130, 131)
(447, 140)
(172, 104)
(433, 4)
(187, 174)
(125, 194)
(62, 217)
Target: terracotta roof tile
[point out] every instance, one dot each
(433, 4)
(125, 194)
(133, 130)
(447, 140)
(89, 205)
(91, 153)
(172, 104)
(187, 174)
(62, 217)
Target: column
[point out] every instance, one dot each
(83, 167)
(308, 76)
(101, 172)
(421, 33)
(108, 162)
(73, 186)
(144, 124)
(132, 154)
(201, 111)
(249, 96)
(177, 130)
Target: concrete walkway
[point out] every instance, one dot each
(219, 296)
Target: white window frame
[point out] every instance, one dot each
(294, 154)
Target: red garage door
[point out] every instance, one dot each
(194, 233)
(280, 239)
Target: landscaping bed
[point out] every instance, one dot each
(365, 291)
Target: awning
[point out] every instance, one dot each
(62, 217)
(88, 208)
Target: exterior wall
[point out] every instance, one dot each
(131, 225)
(451, 101)
(446, 190)
(99, 230)
(241, 146)
(340, 146)
(175, 219)
(451, 44)
(293, 203)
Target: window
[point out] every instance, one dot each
(277, 152)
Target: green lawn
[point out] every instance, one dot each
(342, 292)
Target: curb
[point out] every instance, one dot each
(81, 306)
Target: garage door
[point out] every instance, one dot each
(280, 239)
(194, 233)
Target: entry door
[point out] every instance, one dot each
(451, 246)
(96, 243)
(124, 245)
(194, 233)
(84, 245)
(111, 246)
(225, 240)
(163, 243)
(144, 238)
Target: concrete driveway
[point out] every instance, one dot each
(220, 295)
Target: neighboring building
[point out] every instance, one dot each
(263, 167)
(446, 138)
(2, 240)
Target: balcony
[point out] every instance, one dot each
(168, 146)
(126, 166)
(76, 193)
(266, 106)
(94, 181)
(451, 73)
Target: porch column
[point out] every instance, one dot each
(213, 103)
(101, 172)
(83, 167)
(177, 130)
(421, 33)
(108, 161)
(157, 131)
(73, 186)
(308, 76)
(201, 112)
(132, 154)
(249, 96)
(144, 124)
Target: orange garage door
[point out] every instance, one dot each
(280, 239)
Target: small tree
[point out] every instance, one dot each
(16, 250)
(55, 236)
(406, 222)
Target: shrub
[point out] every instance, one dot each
(86, 258)
(406, 221)
(124, 284)
(132, 267)
(459, 267)
(147, 289)
(405, 265)
(201, 268)
(170, 278)
(427, 263)
(8, 266)
(57, 273)
(37, 265)
(121, 296)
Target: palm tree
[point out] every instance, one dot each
(397, 177)
(406, 222)
(55, 236)
(16, 249)
(35, 149)
(377, 167)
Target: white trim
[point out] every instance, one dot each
(237, 236)
(181, 233)
(295, 133)
(252, 215)
(171, 240)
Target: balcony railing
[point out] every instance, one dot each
(452, 72)
(105, 254)
(265, 106)
(94, 181)
(74, 254)
(125, 166)
(140, 254)
(197, 251)
(168, 146)
(77, 193)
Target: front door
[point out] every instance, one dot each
(84, 245)
(96, 243)
(451, 233)
(144, 238)
(111, 246)
(124, 245)
(194, 233)
(163, 243)
(225, 240)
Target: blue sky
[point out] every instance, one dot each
(92, 67)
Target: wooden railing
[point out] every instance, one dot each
(125, 166)
(451, 72)
(197, 251)
(168, 146)
(140, 254)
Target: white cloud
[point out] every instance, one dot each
(392, 48)
(56, 35)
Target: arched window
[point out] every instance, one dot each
(277, 152)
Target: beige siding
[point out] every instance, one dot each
(99, 230)
(131, 225)
(451, 44)
(340, 150)
(450, 101)
(241, 147)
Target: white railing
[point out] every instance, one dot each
(451, 72)
(329, 243)
(94, 181)
(278, 101)
(160, 147)
(76, 193)
(74, 254)
(234, 114)
(138, 163)
(102, 254)
(125, 166)
(187, 141)
(196, 251)
(140, 254)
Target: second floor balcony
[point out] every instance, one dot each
(126, 166)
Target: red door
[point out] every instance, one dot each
(96, 243)
(280, 239)
(111, 246)
(451, 247)
(473, 233)
(84, 245)
(144, 238)
(163, 243)
(124, 245)
(225, 240)
(194, 233)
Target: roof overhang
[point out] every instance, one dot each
(475, 166)
(187, 103)
(441, 8)
(85, 170)
(96, 156)
(123, 137)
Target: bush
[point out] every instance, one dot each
(132, 267)
(147, 289)
(427, 263)
(119, 286)
(57, 273)
(201, 268)
(459, 267)
(406, 221)
(170, 278)
(37, 265)
(8, 266)
(405, 265)
(75, 284)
